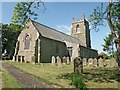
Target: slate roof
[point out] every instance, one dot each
(51, 33)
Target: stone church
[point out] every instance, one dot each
(38, 43)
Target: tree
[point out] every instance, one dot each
(108, 44)
(112, 16)
(25, 10)
(10, 33)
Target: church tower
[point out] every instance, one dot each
(80, 30)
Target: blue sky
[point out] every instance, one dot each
(59, 16)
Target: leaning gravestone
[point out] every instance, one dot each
(53, 60)
(100, 62)
(95, 62)
(78, 67)
(84, 61)
(58, 61)
(64, 60)
(90, 62)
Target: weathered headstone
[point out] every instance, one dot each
(78, 67)
(68, 60)
(95, 62)
(64, 60)
(113, 63)
(84, 61)
(58, 61)
(90, 62)
(53, 60)
(107, 63)
(72, 60)
(100, 62)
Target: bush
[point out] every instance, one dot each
(77, 81)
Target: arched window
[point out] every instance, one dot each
(27, 42)
(78, 29)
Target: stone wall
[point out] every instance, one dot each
(28, 54)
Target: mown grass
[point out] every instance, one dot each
(0, 79)
(0, 74)
(46, 72)
(102, 77)
(9, 81)
(60, 76)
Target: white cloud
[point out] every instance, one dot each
(64, 28)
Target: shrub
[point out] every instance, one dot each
(78, 82)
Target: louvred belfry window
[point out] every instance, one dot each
(78, 29)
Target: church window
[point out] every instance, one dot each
(27, 42)
(78, 29)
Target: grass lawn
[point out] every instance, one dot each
(56, 76)
(0, 74)
(0, 79)
(9, 81)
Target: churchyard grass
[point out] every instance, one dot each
(0, 74)
(9, 81)
(50, 74)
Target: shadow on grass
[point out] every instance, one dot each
(99, 75)
(102, 75)
(76, 80)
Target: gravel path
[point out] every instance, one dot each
(26, 79)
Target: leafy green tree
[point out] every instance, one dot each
(10, 34)
(25, 10)
(112, 15)
(108, 45)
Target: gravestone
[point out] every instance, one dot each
(68, 60)
(58, 61)
(84, 61)
(95, 62)
(64, 60)
(78, 67)
(53, 60)
(90, 62)
(100, 62)
(113, 63)
(107, 63)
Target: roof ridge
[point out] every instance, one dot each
(53, 29)
(60, 36)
